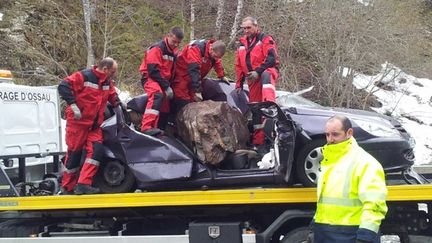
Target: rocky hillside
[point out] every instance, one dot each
(43, 41)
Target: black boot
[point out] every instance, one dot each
(153, 132)
(65, 192)
(85, 189)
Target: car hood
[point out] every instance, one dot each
(354, 113)
(312, 119)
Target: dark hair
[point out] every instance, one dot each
(177, 32)
(219, 47)
(346, 123)
(106, 62)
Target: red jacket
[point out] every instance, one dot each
(158, 63)
(257, 54)
(90, 90)
(194, 63)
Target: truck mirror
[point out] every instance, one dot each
(8, 162)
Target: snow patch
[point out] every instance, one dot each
(365, 2)
(1, 17)
(406, 98)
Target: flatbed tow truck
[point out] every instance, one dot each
(248, 215)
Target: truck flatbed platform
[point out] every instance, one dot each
(416, 193)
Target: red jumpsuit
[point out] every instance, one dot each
(90, 90)
(192, 65)
(258, 54)
(157, 69)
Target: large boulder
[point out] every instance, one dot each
(212, 130)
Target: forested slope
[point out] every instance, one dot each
(43, 41)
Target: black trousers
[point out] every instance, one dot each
(337, 234)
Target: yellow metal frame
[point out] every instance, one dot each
(413, 193)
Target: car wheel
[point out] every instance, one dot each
(115, 177)
(308, 163)
(298, 235)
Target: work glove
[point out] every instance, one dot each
(225, 80)
(198, 97)
(310, 237)
(169, 93)
(252, 76)
(76, 111)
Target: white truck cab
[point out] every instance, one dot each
(30, 127)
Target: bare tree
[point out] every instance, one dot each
(192, 19)
(315, 38)
(325, 37)
(220, 13)
(106, 29)
(235, 23)
(87, 23)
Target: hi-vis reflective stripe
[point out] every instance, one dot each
(269, 86)
(345, 200)
(105, 87)
(372, 196)
(258, 126)
(91, 85)
(349, 171)
(69, 171)
(193, 41)
(167, 57)
(340, 201)
(151, 111)
(369, 225)
(92, 161)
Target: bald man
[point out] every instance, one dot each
(86, 93)
(351, 189)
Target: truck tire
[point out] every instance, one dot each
(307, 163)
(114, 177)
(298, 235)
(19, 228)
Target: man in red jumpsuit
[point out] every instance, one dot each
(86, 93)
(256, 62)
(192, 65)
(157, 71)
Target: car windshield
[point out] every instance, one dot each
(288, 99)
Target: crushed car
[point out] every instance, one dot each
(294, 131)
(137, 160)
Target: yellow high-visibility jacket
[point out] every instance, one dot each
(351, 187)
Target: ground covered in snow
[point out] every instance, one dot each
(406, 98)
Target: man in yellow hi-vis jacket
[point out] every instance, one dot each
(351, 189)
